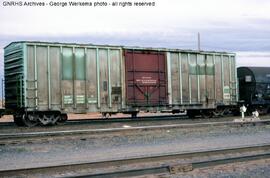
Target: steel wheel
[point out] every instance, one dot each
(207, 114)
(18, 120)
(48, 119)
(29, 120)
(134, 115)
(218, 113)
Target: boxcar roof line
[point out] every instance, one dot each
(87, 45)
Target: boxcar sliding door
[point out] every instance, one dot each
(146, 78)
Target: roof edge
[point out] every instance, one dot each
(125, 47)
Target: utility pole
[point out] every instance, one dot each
(199, 42)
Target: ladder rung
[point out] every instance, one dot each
(31, 97)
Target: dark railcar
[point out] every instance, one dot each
(254, 87)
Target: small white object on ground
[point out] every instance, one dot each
(243, 109)
(255, 114)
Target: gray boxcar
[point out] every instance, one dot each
(44, 81)
(205, 80)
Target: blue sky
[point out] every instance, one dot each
(240, 26)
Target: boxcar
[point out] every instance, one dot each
(254, 88)
(45, 81)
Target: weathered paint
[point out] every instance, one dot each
(60, 77)
(93, 79)
(199, 79)
(146, 78)
(169, 78)
(49, 78)
(180, 78)
(97, 75)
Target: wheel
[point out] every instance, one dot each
(18, 120)
(63, 118)
(29, 120)
(207, 114)
(49, 119)
(105, 115)
(191, 114)
(236, 112)
(218, 113)
(134, 114)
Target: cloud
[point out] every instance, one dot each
(241, 26)
(253, 58)
(173, 14)
(224, 25)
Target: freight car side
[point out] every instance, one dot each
(44, 81)
(178, 80)
(201, 82)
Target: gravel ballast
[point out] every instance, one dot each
(117, 146)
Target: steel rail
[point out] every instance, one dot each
(117, 119)
(26, 135)
(129, 119)
(174, 169)
(6, 123)
(209, 158)
(179, 117)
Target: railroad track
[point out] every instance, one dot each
(30, 137)
(153, 164)
(93, 121)
(115, 119)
